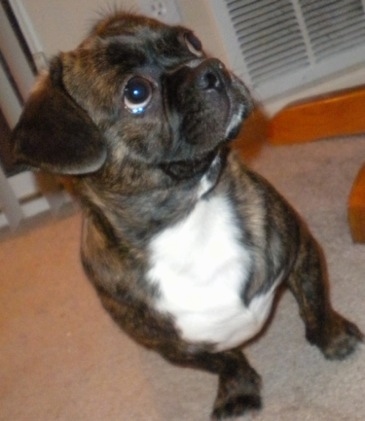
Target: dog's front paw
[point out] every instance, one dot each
(238, 393)
(342, 339)
(236, 406)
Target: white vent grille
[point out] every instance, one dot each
(334, 26)
(269, 37)
(278, 45)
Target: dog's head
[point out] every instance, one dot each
(135, 89)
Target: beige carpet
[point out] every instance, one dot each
(62, 358)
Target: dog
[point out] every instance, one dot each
(185, 245)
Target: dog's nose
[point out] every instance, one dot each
(211, 75)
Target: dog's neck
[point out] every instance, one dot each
(169, 196)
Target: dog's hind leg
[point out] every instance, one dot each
(333, 334)
(239, 384)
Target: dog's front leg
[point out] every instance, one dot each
(239, 384)
(333, 334)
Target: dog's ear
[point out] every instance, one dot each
(54, 133)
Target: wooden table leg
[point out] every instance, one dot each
(356, 208)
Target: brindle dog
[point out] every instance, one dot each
(185, 245)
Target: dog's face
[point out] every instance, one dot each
(135, 89)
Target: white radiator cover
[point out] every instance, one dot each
(278, 46)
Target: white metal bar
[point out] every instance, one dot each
(26, 26)
(9, 203)
(9, 102)
(33, 42)
(14, 56)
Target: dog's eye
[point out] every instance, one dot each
(193, 43)
(137, 94)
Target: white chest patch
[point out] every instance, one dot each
(200, 267)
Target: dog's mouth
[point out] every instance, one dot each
(188, 169)
(236, 121)
(241, 105)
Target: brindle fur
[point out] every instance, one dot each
(133, 179)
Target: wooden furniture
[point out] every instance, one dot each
(356, 208)
(322, 117)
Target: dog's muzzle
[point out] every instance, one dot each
(210, 77)
(205, 105)
(203, 85)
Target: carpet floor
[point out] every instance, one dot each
(62, 358)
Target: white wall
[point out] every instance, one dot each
(61, 24)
